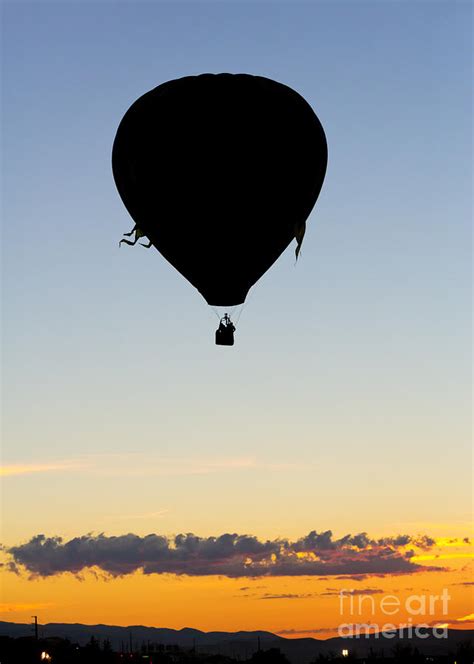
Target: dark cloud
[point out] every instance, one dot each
(12, 567)
(360, 591)
(352, 577)
(324, 541)
(288, 596)
(331, 593)
(319, 630)
(464, 583)
(230, 554)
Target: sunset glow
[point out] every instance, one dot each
(313, 477)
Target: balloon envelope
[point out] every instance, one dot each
(220, 172)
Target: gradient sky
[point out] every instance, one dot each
(345, 403)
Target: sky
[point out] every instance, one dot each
(344, 405)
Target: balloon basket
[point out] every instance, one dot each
(224, 338)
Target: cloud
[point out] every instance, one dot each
(12, 567)
(147, 465)
(443, 556)
(443, 542)
(465, 619)
(289, 596)
(15, 607)
(450, 622)
(230, 554)
(360, 591)
(352, 577)
(325, 542)
(10, 470)
(464, 583)
(318, 630)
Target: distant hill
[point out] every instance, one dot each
(299, 651)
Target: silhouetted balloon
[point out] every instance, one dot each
(220, 172)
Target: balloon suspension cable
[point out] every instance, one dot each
(232, 311)
(225, 322)
(228, 313)
(240, 314)
(245, 304)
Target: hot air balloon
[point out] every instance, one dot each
(220, 173)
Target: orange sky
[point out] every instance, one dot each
(292, 606)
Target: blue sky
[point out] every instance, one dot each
(352, 359)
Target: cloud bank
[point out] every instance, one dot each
(231, 555)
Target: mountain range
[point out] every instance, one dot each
(238, 644)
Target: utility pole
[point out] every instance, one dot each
(36, 626)
(130, 642)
